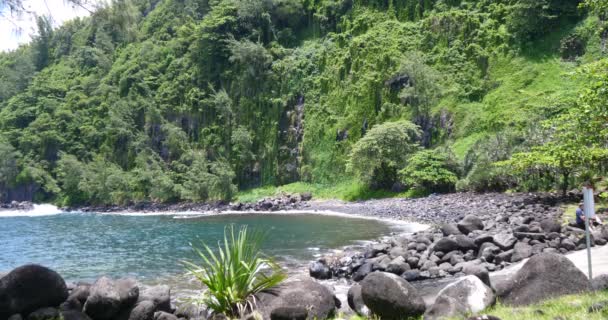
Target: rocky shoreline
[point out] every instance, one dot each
(470, 236)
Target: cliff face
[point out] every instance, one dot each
(188, 100)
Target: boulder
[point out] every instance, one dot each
(505, 241)
(15, 317)
(143, 310)
(161, 315)
(550, 225)
(355, 300)
(465, 296)
(465, 243)
(160, 295)
(103, 302)
(445, 245)
(542, 277)
(128, 291)
(450, 230)
(71, 304)
(568, 244)
(398, 266)
(47, 313)
(81, 292)
(319, 270)
(362, 271)
(521, 251)
(390, 296)
(30, 287)
(289, 313)
(469, 224)
(600, 283)
(303, 293)
(478, 271)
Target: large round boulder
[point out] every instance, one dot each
(390, 296)
(544, 276)
(600, 283)
(302, 293)
(469, 224)
(30, 287)
(465, 296)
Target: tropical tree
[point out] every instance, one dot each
(377, 157)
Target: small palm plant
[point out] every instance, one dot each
(235, 273)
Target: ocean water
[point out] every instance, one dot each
(84, 246)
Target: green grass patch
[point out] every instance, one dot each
(348, 190)
(571, 307)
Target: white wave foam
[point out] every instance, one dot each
(39, 210)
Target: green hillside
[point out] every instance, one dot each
(173, 100)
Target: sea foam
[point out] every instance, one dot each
(38, 210)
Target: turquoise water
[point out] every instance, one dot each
(86, 246)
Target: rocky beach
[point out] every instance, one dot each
(442, 271)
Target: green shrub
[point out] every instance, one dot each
(235, 273)
(377, 156)
(430, 171)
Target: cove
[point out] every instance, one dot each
(84, 246)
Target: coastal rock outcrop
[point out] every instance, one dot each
(29, 288)
(391, 297)
(544, 276)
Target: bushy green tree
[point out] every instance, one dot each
(377, 157)
(430, 171)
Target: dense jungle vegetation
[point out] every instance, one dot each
(172, 100)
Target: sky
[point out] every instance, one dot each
(16, 30)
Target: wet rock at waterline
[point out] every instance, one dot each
(542, 277)
(29, 288)
(391, 297)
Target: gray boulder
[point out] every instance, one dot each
(104, 301)
(446, 245)
(289, 313)
(160, 295)
(542, 277)
(600, 283)
(355, 300)
(30, 287)
(391, 297)
(304, 293)
(450, 230)
(319, 269)
(505, 241)
(398, 266)
(469, 224)
(479, 271)
(143, 310)
(362, 271)
(465, 296)
(550, 225)
(81, 292)
(521, 251)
